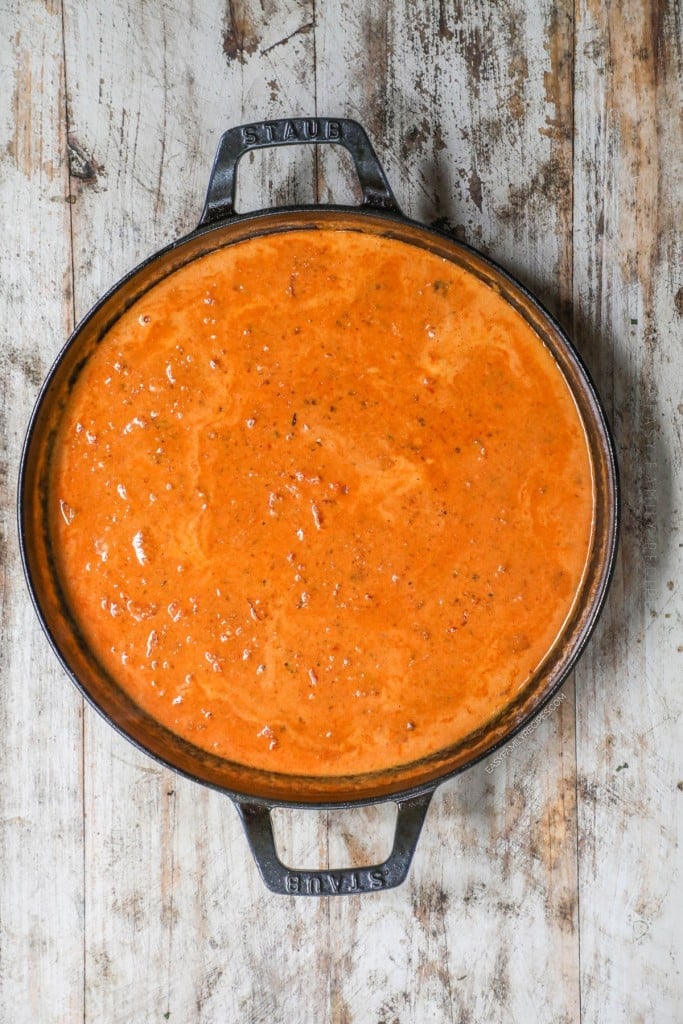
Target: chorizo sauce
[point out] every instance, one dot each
(321, 502)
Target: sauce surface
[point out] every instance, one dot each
(321, 502)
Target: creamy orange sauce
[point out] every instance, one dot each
(321, 502)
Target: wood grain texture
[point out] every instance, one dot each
(547, 135)
(451, 115)
(628, 272)
(151, 137)
(41, 802)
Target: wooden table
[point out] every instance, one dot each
(549, 890)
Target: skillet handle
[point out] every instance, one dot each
(220, 196)
(342, 881)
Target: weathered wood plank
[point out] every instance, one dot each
(41, 860)
(178, 921)
(628, 276)
(470, 111)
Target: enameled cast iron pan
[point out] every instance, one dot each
(256, 792)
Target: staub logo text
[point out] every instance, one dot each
(295, 130)
(329, 882)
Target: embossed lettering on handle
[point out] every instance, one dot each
(339, 882)
(220, 196)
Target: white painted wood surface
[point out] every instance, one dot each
(547, 134)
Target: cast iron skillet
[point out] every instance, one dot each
(256, 792)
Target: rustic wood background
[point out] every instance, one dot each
(547, 134)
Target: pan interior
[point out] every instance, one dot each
(386, 746)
